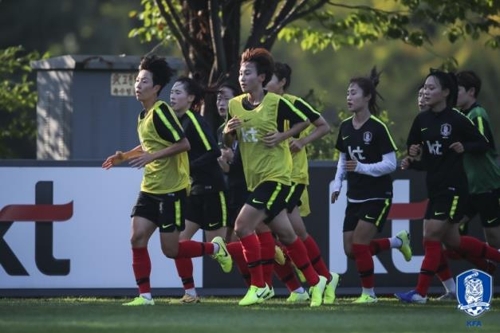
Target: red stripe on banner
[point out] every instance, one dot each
(38, 213)
(408, 211)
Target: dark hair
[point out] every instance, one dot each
(192, 88)
(162, 73)
(263, 61)
(447, 81)
(369, 84)
(229, 85)
(468, 80)
(283, 71)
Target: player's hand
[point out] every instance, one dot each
(141, 160)
(232, 125)
(351, 165)
(296, 145)
(335, 196)
(405, 162)
(272, 139)
(415, 151)
(113, 160)
(226, 154)
(458, 147)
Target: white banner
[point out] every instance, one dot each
(95, 239)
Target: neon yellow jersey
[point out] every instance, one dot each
(261, 163)
(169, 174)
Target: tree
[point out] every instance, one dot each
(211, 34)
(17, 104)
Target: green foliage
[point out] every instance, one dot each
(17, 100)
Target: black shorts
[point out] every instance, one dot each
(208, 210)
(166, 211)
(487, 205)
(372, 211)
(271, 197)
(294, 197)
(449, 204)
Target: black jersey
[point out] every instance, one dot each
(205, 172)
(435, 132)
(367, 145)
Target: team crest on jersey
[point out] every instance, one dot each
(446, 130)
(474, 292)
(367, 137)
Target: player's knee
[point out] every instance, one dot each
(170, 251)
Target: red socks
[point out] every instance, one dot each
(379, 245)
(141, 265)
(251, 252)
(475, 248)
(298, 254)
(429, 266)
(192, 249)
(315, 258)
(236, 252)
(364, 263)
(267, 251)
(185, 271)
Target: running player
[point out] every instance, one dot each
(161, 203)
(367, 157)
(256, 119)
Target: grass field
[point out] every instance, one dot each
(221, 315)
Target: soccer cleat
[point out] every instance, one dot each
(448, 296)
(140, 301)
(366, 299)
(405, 248)
(317, 291)
(279, 256)
(270, 294)
(411, 297)
(222, 256)
(331, 287)
(254, 295)
(189, 299)
(300, 275)
(297, 297)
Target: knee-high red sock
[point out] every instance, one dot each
(185, 271)
(192, 249)
(378, 245)
(475, 248)
(286, 274)
(251, 252)
(315, 258)
(364, 264)
(429, 266)
(481, 263)
(236, 252)
(267, 252)
(297, 252)
(141, 264)
(443, 271)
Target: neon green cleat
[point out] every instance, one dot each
(189, 299)
(279, 256)
(254, 295)
(222, 256)
(270, 294)
(317, 291)
(140, 301)
(300, 275)
(331, 287)
(366, 299)
(405, 248)
(297, 297)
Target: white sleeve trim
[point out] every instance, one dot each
(340, 174)
(384, 167)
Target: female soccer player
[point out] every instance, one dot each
(367, 157)
(161, 203)
(439, 137)
(256, 119)
(206, 206)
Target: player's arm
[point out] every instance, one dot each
(204, 142)
(483, 125)
(321, 127)
(473, 142)
(120, 157)
(297, 120)
(339, 177)
(384, 167)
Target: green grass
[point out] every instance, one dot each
(221, 315)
